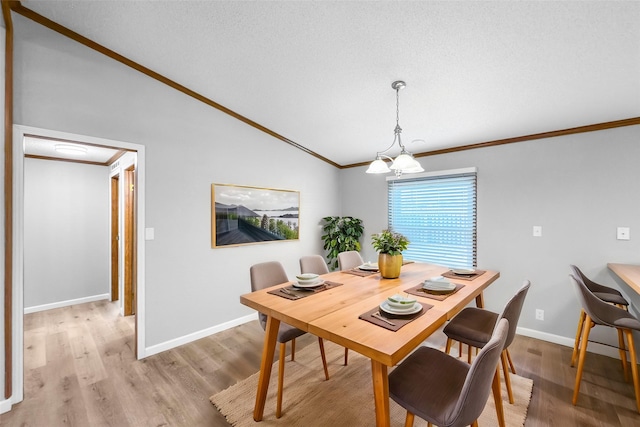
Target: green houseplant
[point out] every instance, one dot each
(389, 246)
(341, 233)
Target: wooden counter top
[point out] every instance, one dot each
(629, 273)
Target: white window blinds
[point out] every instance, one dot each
(437, 213)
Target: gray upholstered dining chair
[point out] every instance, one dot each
(316, 264)
(268, 274)
(606, 294)
(348, 260)
(474, 326)
(313, 264)
(599, 312)
(446, 391)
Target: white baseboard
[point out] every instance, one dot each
(168, 345)
(593, 347)
(59, 304)
(5, 405)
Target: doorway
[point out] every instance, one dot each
(137, 177)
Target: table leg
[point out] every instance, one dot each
(268, 350)
(480, 300)
(381, 393)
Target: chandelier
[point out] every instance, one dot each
(404, 163)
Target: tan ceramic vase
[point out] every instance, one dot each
(389, 265)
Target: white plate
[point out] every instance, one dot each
(369, 266)
(415, 309)
(314, 284)
(463, 271)
(444, 286)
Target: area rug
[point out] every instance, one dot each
(346, 399)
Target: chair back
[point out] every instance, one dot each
(512, 311)
(264, 275)
(477, 385)
(349, 259)
(599, 311)
(593, 286)
(313, 264)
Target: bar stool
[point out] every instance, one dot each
(598, 312)
(606, 294)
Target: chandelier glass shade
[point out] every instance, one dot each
(405, 162)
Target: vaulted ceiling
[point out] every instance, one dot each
(320, 72)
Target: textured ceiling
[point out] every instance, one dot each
(320, 72)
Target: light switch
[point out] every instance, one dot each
(537, 231)
(149, 234)
(624, 233)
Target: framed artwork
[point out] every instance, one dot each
(242, 215)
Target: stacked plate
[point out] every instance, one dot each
(400, 305)
(438, 286)
(463, 271)
(369, 266)
(308, 280)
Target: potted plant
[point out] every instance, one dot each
(342, 233)
(389, 246)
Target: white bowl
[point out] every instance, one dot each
(307, 277)
(401, 302)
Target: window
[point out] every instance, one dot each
(437, 213)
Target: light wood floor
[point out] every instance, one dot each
(80, 371)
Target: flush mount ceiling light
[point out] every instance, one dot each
(404, 163)
(77, 150)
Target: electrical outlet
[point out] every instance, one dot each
(539, 314)
(537, 231)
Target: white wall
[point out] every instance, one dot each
(579, 188)
(66, 238)
(190, 287)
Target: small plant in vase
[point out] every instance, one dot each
(389, 246)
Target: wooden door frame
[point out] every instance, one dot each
(115, 232)
(129, 242)
(17, 320)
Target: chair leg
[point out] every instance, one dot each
(497, 397)
(459, 349)
(447, 347)
(474, 424)
(583, 353)
(324, 358)
(507, 378)
(408, 422)
(576, 345)
(623, 355)
(469, 354)
(634, 366)
(293, 349)
(511, 365)
(283, 349)
(346, 356)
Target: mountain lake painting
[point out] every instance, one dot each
(246, 215)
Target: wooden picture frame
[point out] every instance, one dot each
(244, 215)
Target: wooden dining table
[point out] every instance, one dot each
(333, 314)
